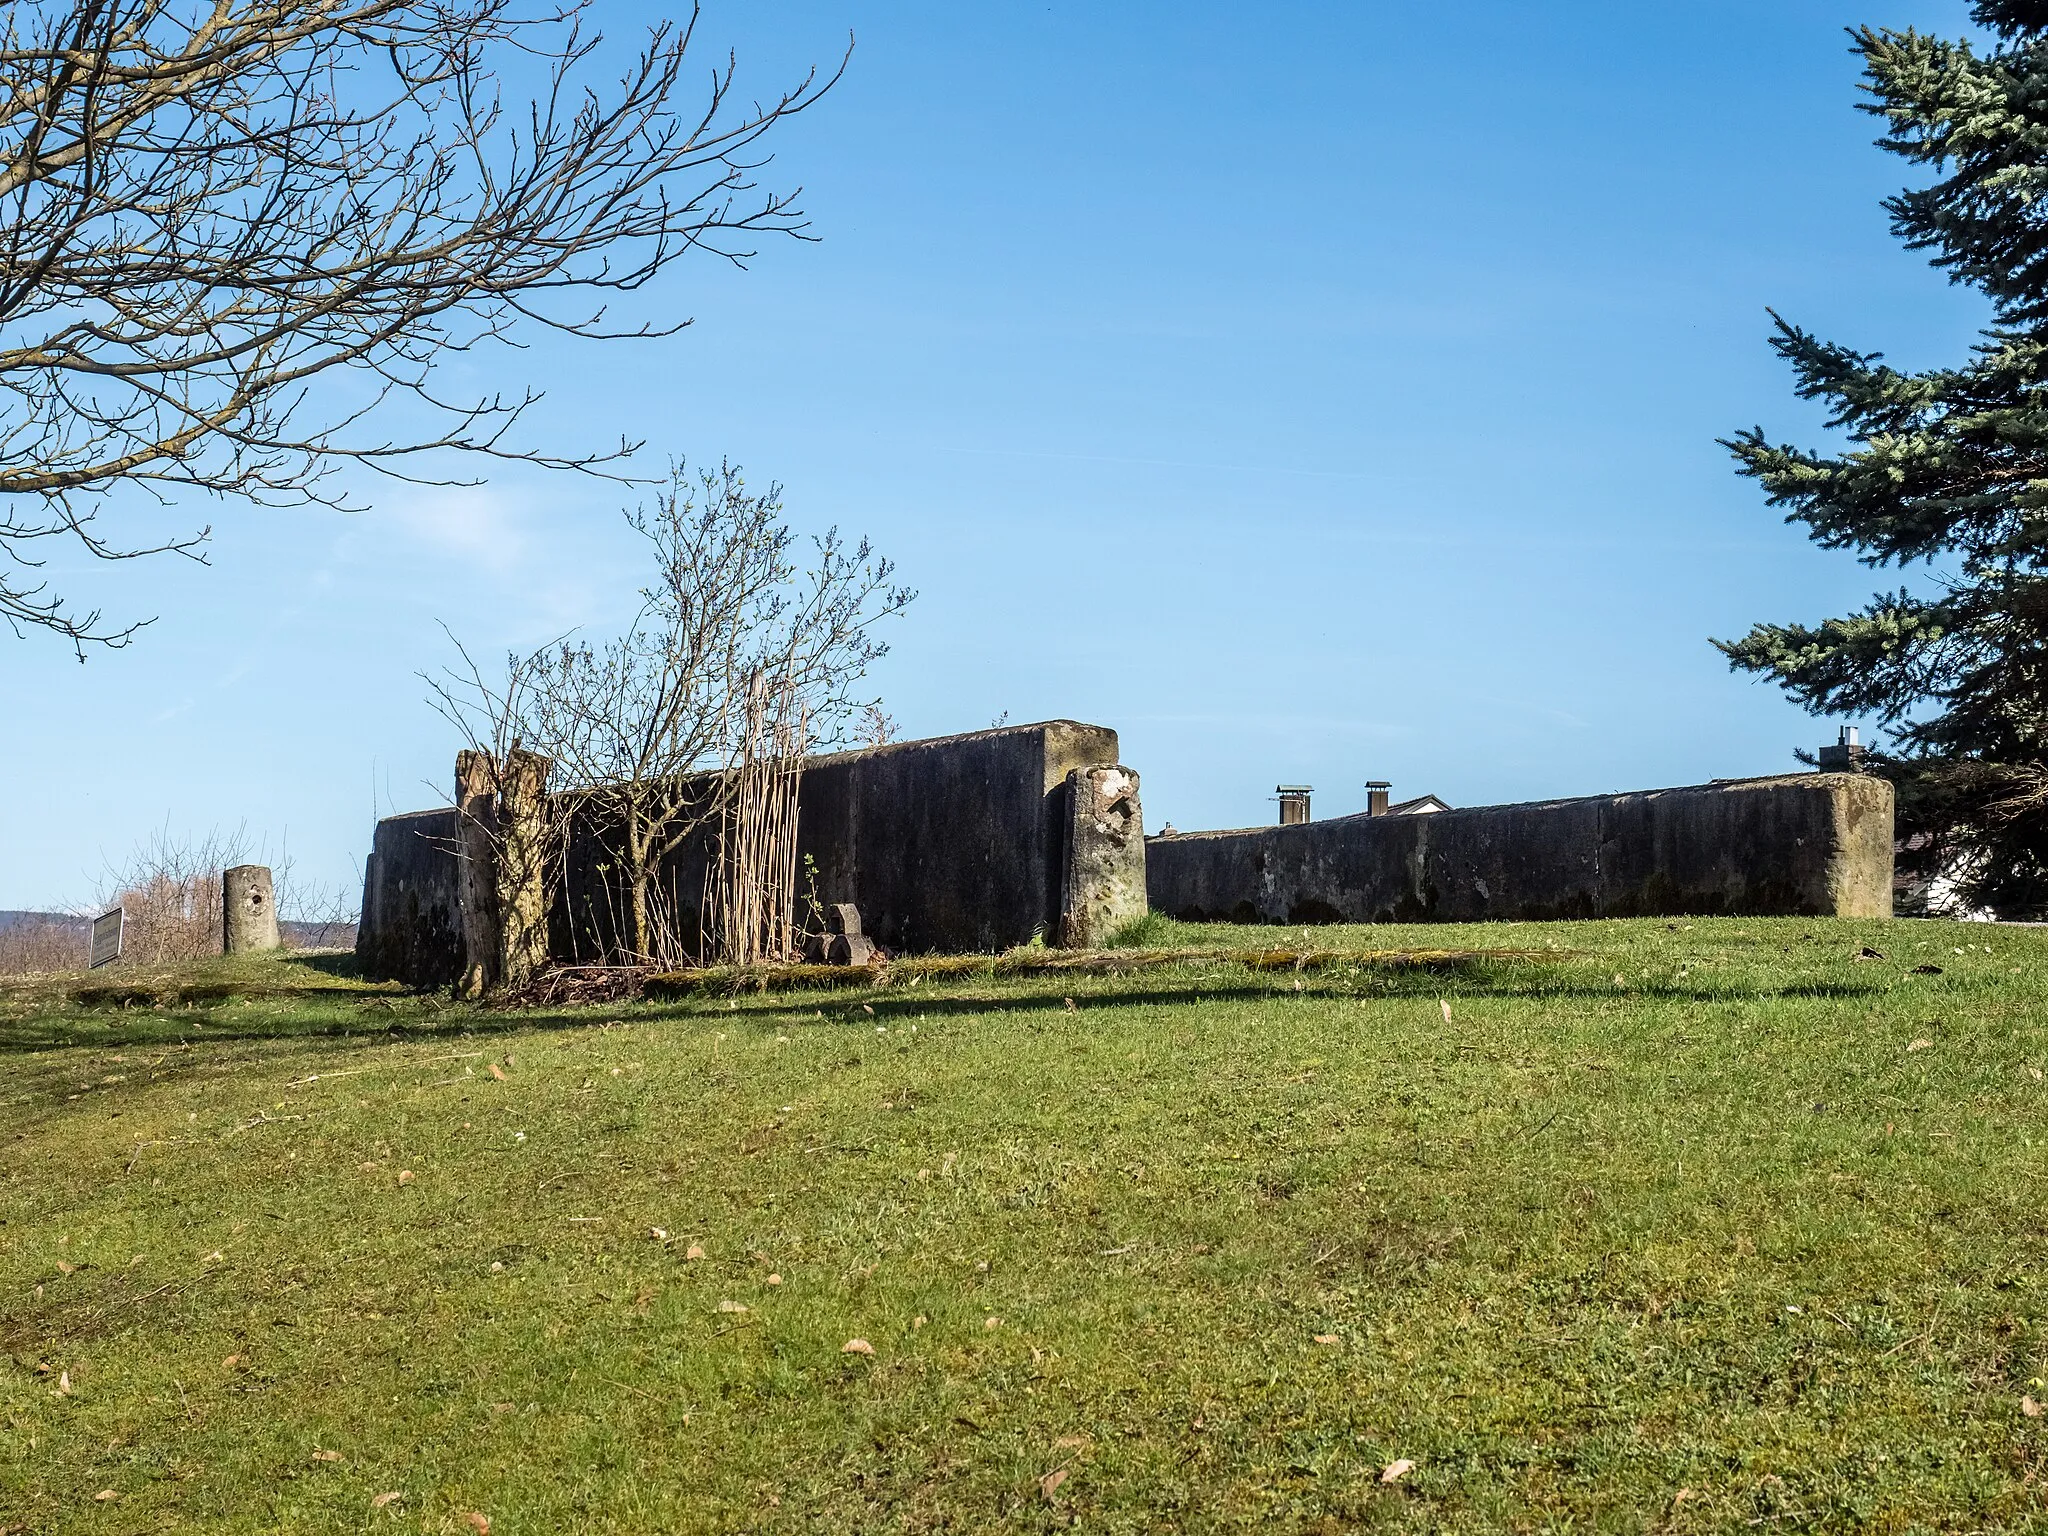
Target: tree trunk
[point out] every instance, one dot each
(638, 876)
(476, 804)
(636, 917)
(522, 868)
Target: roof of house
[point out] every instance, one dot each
(1421, 805)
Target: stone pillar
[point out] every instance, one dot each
(248, 910)
(523, 851)
(1103, 886)
(476, 821)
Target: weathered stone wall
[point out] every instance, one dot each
(1802, 845)
(957, 843)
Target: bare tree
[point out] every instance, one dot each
(744, 650)
(212, 204)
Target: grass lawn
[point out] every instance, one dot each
(1702, 1226)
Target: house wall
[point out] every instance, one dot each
(1805, 845)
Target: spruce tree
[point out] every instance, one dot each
(1948, 467)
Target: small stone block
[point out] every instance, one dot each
(843, 917)
(851, 949)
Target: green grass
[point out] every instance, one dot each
(1708, 1226)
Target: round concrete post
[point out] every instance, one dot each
(248, 912)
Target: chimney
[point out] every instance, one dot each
(1293, 803)
(1845, 756)
(1376, 796)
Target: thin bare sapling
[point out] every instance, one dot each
(749, 644)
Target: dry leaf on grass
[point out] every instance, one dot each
(105, 1496)
(775, 1279)
(384, 1500)
(66, 1269)
(1328, 1338)
(405, 1176)
(498, 1072)
(327, 1455)
(232, 1361)
(2030, 1408)
(693, 1252)
(478, 1522)
(993, 1322)
(856, 1347)
(1920, 1045)
(1071, 1442)
(1396, 1470)
(1445, 1005)
(63, 1383)
(732, 1306)
(1050, 1483)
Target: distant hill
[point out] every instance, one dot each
(318, 935)
(43, 920)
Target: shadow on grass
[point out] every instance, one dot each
(155, 1018)
(867, 1007)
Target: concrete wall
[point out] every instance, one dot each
(1805, 845)
(411, 927)
(957, 843)
(953, 844)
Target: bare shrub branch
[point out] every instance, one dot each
(649, 732)
(42, 942)
(169, 890)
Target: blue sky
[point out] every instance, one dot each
(1313, 392)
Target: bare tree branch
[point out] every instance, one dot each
(207, 205)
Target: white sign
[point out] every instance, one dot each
(106, 938)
